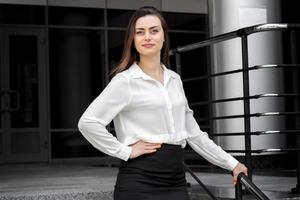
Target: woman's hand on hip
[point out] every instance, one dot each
(140, 147)
(237, 170)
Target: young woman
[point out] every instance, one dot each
(152, 119)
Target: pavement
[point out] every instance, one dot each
(88, 181)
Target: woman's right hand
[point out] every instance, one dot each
(140, 147)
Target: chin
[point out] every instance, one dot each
(149, 52)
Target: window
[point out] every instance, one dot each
(118, 18)
(75, 16)
(22, 14)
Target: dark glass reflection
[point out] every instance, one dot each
(181, 39)
(118, 18)
(115, 44)
(186, 21)
(196, 90)
(193, 63)
(192, 67)
(25, 143)
(24, 100)
(22, 14)
(76, 16)
(72, 144)
(76, 74)
(1, 143)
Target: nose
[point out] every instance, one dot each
(147, 36)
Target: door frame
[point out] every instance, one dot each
(42, 128)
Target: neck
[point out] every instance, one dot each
(150, 64)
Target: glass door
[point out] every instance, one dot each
(23, 135)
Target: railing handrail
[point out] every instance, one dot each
(263, 114)
(255, 67)
(250, 186)
(265, 132)
(260, 151)
(237, 33)
(256, 96)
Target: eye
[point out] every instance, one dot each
(153, 31)
(139, 32)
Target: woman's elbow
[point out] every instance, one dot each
(82, 124)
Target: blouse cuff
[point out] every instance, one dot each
(232, 163)
(125, 152)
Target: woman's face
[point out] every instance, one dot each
(149, 35)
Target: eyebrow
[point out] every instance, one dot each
(149, 28)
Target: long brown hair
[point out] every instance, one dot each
(130, 54)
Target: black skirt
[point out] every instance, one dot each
(156, 176)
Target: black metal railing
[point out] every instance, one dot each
(243, 180)
(199, 181)
(245, 68)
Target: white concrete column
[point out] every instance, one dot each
(264, 48)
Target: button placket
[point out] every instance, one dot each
(169, 106)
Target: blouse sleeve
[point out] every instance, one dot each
(92, 124)
(203, 145)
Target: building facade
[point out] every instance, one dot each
(55, 59)
(56, 55)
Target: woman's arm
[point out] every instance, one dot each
(92, 124)
(203, 145)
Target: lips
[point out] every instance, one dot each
(148, 45)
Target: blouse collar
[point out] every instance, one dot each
(137, 72)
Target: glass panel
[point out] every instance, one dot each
(1, 143)
(190, 68)
(23, 80)
(1, 106)
(76, 70)
(181, 39)
(118, 18)
(201, 111)
(72, 144)
(196, 90)
(185, 21)
(25, 143)
(76, 16)
(22, 14)
(115, 45)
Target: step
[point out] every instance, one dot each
(195, 193)
(73, 195)
(66, 181)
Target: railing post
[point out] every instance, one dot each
(296, 90)
(238, 191)
(247, 122)
(210, 96)
(199, 182)
(178, 62)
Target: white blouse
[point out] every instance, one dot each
(142, 108)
